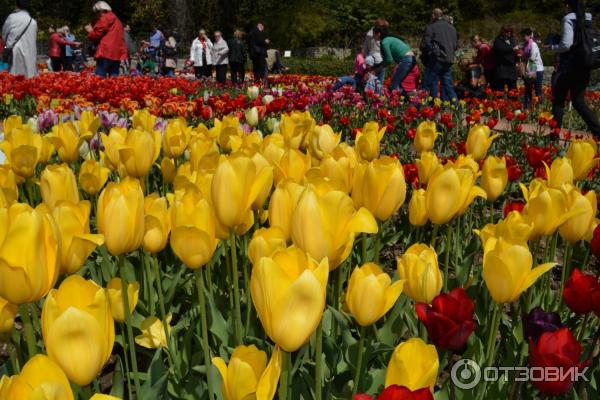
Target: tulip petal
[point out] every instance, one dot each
(362, 221)
(534, 274)
(267, 384)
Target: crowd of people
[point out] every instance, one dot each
(499, 64)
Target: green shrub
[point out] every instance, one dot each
(326, 66)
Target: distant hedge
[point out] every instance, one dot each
(319, 66)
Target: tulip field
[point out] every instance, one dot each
(176, 239)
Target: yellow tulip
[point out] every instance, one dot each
(77, 243)
(78, 328)
(273, 148)
(252, 92)
(199, 147)
(153, 333)
(418, 267)
(121, 202)
(29, 253)
(100, 396)
(465, 162)
(251, 116)
(58, 183)
(139, 152)
(248, 376)
(494, 177)
(368, 141)
(512, 229)
(288, 292)
(293, 165)
(142, 119)
(229, 133)
(414, 365)
(193, 228)
(157, 223)
(479, 141)
(425, 137)
(40, 379)
(507, 270)
(582, 153)
(296, 128)
(261, 163)
(417, 208)
(371, 293)
(8, 184)
(67, 141)
(168, 170)
(112, 143)
(45, 149)
(11, 123)
(282, 205)
(265, 241)
(251, 142)
(88, 124)
(379, 186)
(339, 169)
(235, 187)
(325, 224)
(583, 208)
(115, 296)
(176, 137)
(92, 176)
(22, 150)
(323, 140)
(8, 312)
(427, 164)
(560, 172)
(546, 208)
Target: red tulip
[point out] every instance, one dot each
(579, 290)
(362, 396)
(411, 173)
(449, 319)
(513, 206)
(396, 392)
(411, 133)
(326, 111)
(557, 349)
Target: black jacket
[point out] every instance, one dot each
(441, 41)
(505, 59)
(257, 44)
(237, 51)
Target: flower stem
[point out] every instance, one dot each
(14, 358)
(28, 328)
(126, 359)
(491, 345)
(582, 327)
(447, 256)
(134, 366)
(359, 361)
(86, 391)
(319, 362)
(377, 243)
(204, 329)
(565, 271)
(436, 228)
(363, 248)
(237, 314)
(285, 374)
(161, 296)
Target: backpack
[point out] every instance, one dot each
(586, 44)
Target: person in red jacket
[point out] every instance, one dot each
(109, 37)
(56, 46)
(484, 57)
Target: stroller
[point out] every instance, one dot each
(79, 59)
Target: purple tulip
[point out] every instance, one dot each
(539, 321)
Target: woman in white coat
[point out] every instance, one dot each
(201, 55)
(20, 33)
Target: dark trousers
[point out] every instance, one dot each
(573, 83)
(106, 67)
(56, 63)
(204, 71)
(532, 84)
(499, 84)
(221, 72)
(259, 68)
(68, 63)
(237, 72)
(438, 71)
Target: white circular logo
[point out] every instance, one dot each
(465, 374)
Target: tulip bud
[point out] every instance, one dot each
(157, 223)
(88, 124)
(427, 163)
(176, 138)
(252, 92)
(112, 143)
(264, 243)
(425, 136)
(8, 184)
(417, 208)
(560, 173)
(78, 328)
(251, 116)
(143, 120)
(282, 205)
(583, 208)
(479, 141)
(8, 312)
(58, 183)
(296, 128)
(494, 177)
(418, 267)
(123, 202)
(67, 141)
(153, 333)
(140, 151)
(115, 296)
(371, 294)
(414, 365)
(368, 141)
(22, 150)
(323, 141)
(292, 164)
(167, 167)
(248, 374)
(582, 154)
(92, 176)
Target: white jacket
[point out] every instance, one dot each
(220, 51)
(196, 52)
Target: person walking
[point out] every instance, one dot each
(237, 57)
(395, 50)
(68, 56)
(439, 44)
(220, 52)
(130, 45)
(19, 33)
(572, 78)
(56, 48)
(484, 57)
(201, 55)
(505, 60)
(534, 67)
(109, 37)
(170, 56)
(257, 46)
(372, 47)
